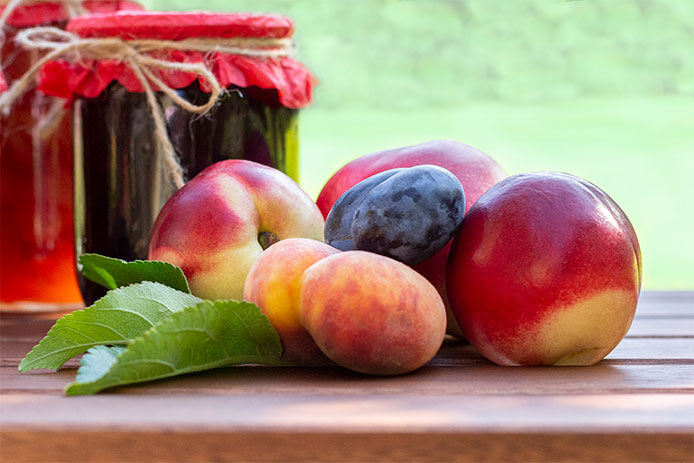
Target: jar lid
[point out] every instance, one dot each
(32, 13)
(160, 25)
(89, 77)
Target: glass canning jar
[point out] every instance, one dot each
(121, 177)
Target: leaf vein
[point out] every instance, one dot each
(123, 309)
(115, 331)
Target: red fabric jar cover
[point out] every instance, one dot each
(33, 14)
(88, 78)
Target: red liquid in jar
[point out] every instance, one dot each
(36, 213)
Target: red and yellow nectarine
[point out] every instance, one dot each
(216, 226)
(545, 270)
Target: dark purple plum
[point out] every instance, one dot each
(407, 214)
(338, 225)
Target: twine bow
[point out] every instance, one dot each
(135, 53)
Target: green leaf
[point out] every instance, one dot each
(115, 319)
(97, 362)
(114, 273)
(201, 337)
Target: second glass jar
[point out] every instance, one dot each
(120, 176)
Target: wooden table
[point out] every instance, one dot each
(636, 405)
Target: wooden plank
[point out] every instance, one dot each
(662, 327)
(353, 412)
(669, 304)
(662, 349)
(672, 350)
(662, 304)
(668, 317)
(655, 348)
(157, 425)
(640, 343)
(458, 369)
(441, 377)
(24, 327)
(176, 445)
(681, 295)
(635, 405)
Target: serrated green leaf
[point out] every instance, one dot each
(115, 319)
(114, 273)
(205, 336)
(100, 359)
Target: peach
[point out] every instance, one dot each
(371, 314)
(475, 170)
(216, 226)
(545, 270)
(273, 283)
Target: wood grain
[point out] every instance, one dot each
(295, 446)
(395, 412)
(675, 350)
(662, 327)
(439, 378)
(652, 304)
(636, 405)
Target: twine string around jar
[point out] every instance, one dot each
(73, 8)
(63, 44)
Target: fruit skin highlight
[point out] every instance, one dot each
(273, 283)
(213, 226)
(545, 270)
(475, 170)
(372, 314)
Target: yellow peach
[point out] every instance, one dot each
(273, 284)
(371, 314)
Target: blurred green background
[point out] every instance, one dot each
(603, 89)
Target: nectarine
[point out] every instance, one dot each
(545, 270)
(216, 226)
